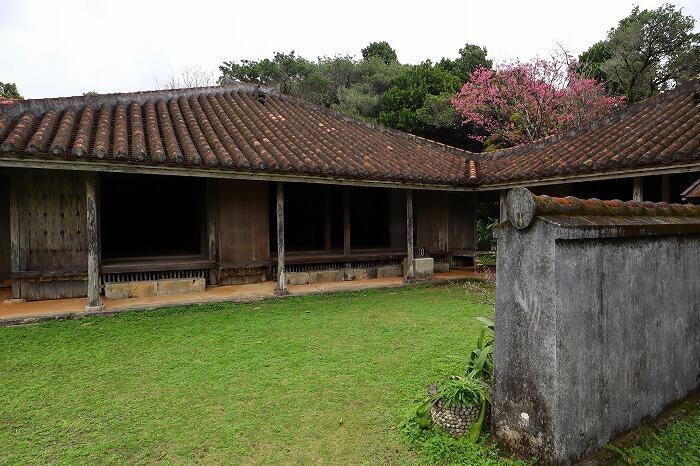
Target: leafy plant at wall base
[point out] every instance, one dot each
(475, 428)
(480, 364)
(457, 391)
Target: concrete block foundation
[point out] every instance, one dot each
(350, 274)
(423, 267)
(144, 289)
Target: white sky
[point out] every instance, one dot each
(67, 47)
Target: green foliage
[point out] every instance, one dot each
(381, 50)
(400, 105)
(376, 88)
(9, 91)
(286, 71)
(480, 364)
(436, 446)
(437, 111)
(463, 391)
(646, 53)
(676, 443)
(484, 232)
(590, 64)
(372, 78)
(470, 58)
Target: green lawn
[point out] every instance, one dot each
(319, 379)
(676, 443)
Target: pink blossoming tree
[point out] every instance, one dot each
(523, 102)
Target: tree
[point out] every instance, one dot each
(523, 102)
(361, 97)
(286, 71)
(646, 53)
(9, 91)
(470, 58)
(379, 49)
(187, 78)
(400, 106)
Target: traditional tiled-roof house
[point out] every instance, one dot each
(234, 184)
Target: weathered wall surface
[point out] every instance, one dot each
(243, 222)
(444, 222)
(628, 332)
(243, 231)
(51, 233)
(597, 323)
(4, 228)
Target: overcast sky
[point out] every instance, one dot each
(67, 47)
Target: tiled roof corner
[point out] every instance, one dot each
(659, 131)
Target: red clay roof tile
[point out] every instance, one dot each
(226, 128)
(238, 128)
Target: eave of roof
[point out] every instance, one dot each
(346, 150)
(239, 129)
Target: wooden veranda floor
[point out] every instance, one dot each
(28, 312)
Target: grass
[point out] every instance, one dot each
(676, 442)
(318, 379)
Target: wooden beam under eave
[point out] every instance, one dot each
(281, 275)
(94, 300)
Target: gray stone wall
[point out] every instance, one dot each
(597, 327)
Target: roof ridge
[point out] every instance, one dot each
(614, 117)
(42, 105)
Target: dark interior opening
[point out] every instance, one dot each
(151, 216)
(604, 189)
(370, 218)
(306, 207)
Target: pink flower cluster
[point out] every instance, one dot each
(523, 102)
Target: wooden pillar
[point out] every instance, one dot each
(281, 275)
(327, 225)
(502, 205)
(665, 188)
(409, 272)
(212, 232)
(94, 301)
(15, 251)
(638, 189)
(346, 222)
